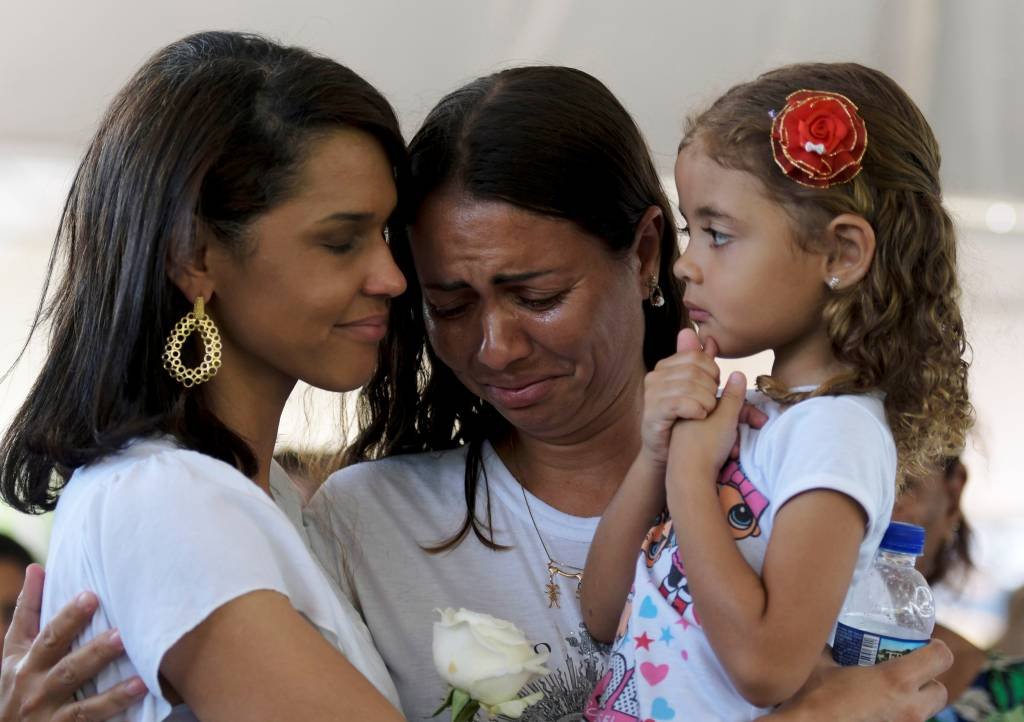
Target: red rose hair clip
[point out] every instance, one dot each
(819, 139)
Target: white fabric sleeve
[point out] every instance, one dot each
(834, 443)
(332, 539)
(179, 535)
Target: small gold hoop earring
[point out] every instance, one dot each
(656, 297)
(194, 320)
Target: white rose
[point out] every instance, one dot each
(488, 658)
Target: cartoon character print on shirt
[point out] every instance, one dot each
(742, 503)
(657, 539)
(615, 699)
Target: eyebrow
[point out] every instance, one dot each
(347, 217)
(498, 280)
(712, 212)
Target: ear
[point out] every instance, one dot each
(192, 274)
(646, 252)
(851, 240)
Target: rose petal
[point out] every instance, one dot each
(514, 708)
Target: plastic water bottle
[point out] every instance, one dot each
(889, 611)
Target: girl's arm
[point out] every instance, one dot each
(767, 630)
(256, 658)
(612, 557)
(681, 386)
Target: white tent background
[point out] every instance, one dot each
(62, 62)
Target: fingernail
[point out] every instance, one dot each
(86, 601)
(115, 640)
(135, 687)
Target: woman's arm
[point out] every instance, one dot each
(257, 659)
(40, 675)
(900, 690)
(767, 630)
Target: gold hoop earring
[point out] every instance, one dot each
(655, 296)
(194, 320)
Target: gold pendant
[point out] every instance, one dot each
(554, 591)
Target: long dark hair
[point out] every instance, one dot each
(210, 132)
(550, 140)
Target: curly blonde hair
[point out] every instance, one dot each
(898, 330)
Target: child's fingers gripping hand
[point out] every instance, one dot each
(682, 386)
(707, 443)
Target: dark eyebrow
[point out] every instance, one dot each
(500, 279)
(347, 217)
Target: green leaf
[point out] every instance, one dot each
(467, 713)
(459, 701)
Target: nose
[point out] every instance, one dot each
(384, 277)
(686, 268)
(503, 340)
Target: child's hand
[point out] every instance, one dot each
(706, 443)
(682, 386)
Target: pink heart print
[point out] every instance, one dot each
(653, 673)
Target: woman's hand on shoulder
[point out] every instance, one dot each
(900, 690)
(40, 674)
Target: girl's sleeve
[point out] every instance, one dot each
(835, 443)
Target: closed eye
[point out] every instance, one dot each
(443, 313)
(542, 304)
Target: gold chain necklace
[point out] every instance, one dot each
(555, 568)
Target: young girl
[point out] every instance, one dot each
(816, 230)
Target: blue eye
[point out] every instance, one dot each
(718, 239)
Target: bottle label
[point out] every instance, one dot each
(853, 647)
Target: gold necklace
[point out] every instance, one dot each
(556, 568)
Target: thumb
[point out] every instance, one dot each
(711, 347)
(687, 341)
(733, 396)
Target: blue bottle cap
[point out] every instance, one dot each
(903, 539)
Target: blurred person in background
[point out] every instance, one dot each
(14, 559)
(983, 686)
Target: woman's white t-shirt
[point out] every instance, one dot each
(369, 524)
(165, 536)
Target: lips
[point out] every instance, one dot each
(696, 313)
(519, 393)
(369, 328)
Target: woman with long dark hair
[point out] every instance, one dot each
(244, 192)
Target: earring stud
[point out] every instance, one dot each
(833, 283)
